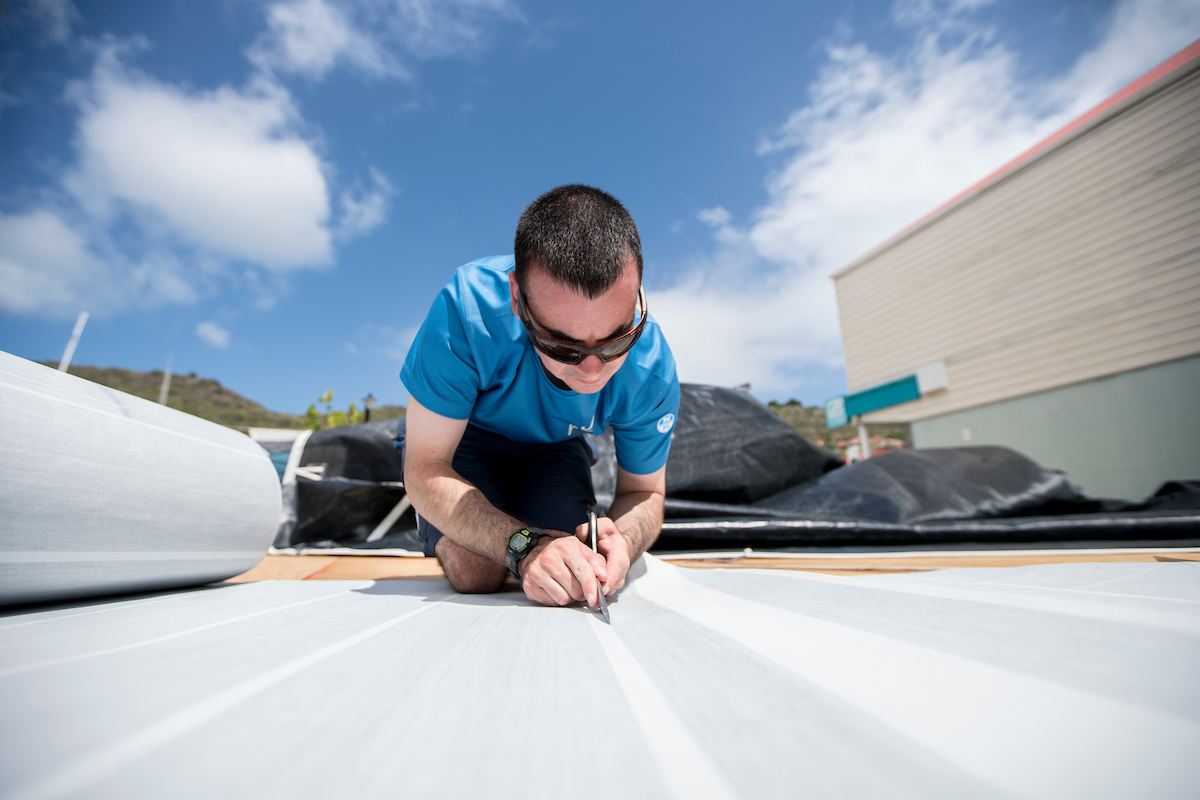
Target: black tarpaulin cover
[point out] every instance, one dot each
(362, 482)
(889, 502)
(341, 512)
(361, 452)
(730, 448)
(924, 485)
(726, 448)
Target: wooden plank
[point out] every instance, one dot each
(342, 568)
(379, 568)
(284, 568)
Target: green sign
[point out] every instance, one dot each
(835, 412)
(839, 410)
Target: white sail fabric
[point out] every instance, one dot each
(1053, 681)
(104, 492)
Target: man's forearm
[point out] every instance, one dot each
(461, 512)
(639, 516)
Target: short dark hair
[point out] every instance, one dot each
(582, 236)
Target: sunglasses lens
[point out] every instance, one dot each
(616, 349)
(559, 352)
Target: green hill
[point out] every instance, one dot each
(809, 422)
(202, 397)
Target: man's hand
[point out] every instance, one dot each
(561, 570)
(614, 546)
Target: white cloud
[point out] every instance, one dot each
(56, 18)
(176, 193)
(439, 28)
(213, 334)
(48, 267)
(224, 169)
(729, 336)
(45, 266)
(881, 142)
(1140, 35)
(310, 37)
(719, 219)
(384, 340)
(160, 277)
(363, 210)
(714, 217)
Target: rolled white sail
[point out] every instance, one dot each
(104, 492)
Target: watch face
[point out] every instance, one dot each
(519, 541)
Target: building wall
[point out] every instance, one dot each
(1119, 436)
(1081, 264)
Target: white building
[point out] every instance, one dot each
(1062, 293)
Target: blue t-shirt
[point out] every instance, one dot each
(473, 360)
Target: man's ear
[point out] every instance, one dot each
(513, 288)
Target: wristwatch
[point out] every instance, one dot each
(519, 545)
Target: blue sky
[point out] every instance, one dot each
(272, 192)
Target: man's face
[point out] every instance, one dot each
(566, 314)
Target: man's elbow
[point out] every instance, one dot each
(416, 483)
(654, 498)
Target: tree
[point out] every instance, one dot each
(330, 417)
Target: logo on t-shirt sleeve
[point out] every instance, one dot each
(665, 423)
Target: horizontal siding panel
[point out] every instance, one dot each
(1031, 360)
(941, 333)
(1172, 248)
(1147, 312)
(1135, 251)
(1045, 310)
(931, 271)
(1176, 324)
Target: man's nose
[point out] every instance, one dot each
(591, 367)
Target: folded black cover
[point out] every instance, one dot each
(730, 448)
(362, 452)
(909, 486)
(361, 484)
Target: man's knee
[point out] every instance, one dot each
(468, 572)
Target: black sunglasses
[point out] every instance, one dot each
(568, 353)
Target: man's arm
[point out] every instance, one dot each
(637, 508)
(441, 495)
(635, 519)
(556, 572)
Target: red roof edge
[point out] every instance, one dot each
(1181, 59)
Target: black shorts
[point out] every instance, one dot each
(545, 485)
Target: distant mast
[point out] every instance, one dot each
(166, 384)
(70, 351)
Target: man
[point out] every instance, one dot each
(518, 358)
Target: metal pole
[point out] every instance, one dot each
(864, 443)
(70, 351)
(166, 384)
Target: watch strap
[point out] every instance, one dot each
(520, 544)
